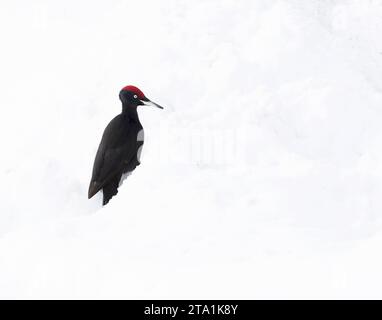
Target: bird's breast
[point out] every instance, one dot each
(141, 135)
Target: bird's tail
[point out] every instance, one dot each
(110, 190)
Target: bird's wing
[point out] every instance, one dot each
(109, 160)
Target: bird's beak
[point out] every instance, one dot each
(148, 102)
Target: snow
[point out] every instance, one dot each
(261, 178)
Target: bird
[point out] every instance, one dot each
(119, 151)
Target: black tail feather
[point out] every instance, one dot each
(110, 189)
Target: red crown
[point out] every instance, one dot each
(134, 89)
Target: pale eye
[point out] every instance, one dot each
(135, 96)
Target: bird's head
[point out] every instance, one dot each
(134, 97)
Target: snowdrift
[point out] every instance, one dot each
(260, 179)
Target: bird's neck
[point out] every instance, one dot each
(130, 112)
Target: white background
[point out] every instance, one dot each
(260, 179)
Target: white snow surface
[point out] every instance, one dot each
(261, 178)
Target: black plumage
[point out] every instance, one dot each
(120, 147)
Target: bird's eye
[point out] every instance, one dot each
(135, 96)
